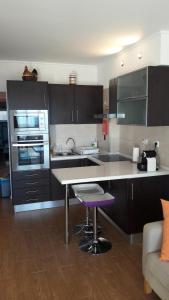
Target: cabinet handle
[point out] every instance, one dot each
(121, 116)
(33, 199)
(30, 192)
(77, 112)
(44, 99)
(31, 175)
(72, 116)
(132, 191)
(32, 183)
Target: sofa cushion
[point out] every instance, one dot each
(158, 268)
(165, 239)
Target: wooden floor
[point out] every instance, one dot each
(35, 264)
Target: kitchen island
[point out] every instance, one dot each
(108, 171)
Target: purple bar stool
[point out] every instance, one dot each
(81, 190)
(96, 245)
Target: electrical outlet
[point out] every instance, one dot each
(157, 143)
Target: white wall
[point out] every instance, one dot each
(56, 73)
(150, 48)
(51, 72)
(164, 56)
(83, 134)
(155, 51)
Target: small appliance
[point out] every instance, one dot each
(28, 120)
(147, 161)
(86, 150)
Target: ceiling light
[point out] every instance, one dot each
(128, 40)
(112, 50)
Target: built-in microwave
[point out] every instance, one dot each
(28, 121)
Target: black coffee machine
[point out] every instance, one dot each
(142, 164)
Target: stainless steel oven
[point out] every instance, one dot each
(29, 152)
(28, 120)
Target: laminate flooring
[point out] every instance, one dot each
(35, 264)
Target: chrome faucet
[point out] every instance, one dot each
(71, 139)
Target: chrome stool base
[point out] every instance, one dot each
(95, 247)
(86, 229)
(82, 228)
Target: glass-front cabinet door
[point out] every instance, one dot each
(132, 85)
(132, 112)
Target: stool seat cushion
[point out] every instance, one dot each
(96, 200)
(87, 189)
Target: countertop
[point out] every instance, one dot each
(104, 171)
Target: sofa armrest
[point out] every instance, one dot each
(152, 238)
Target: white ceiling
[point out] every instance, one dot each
(75, 31)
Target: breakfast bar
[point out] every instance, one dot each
(105, 172)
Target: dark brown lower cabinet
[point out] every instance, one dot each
(137, 201)
(30, 186)
(57, 190)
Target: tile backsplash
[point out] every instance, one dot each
(131, 135)
(83, 134)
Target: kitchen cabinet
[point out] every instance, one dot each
(88, 103)
(61, 110)
(113, 96)
(131, 112)
(133, 85)
(137, 201)
(2, 100)
(27, 95)
(142, 97)
(30, 186)
(75, 104)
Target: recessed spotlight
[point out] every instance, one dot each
(122, 63)
(139, 55)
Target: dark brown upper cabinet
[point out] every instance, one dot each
(141, 97)
(27, 95)
(61, 104)
(88, 102)
(75, 104)
(2, 100)
(113, 96)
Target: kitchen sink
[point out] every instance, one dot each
(72, 163)
(65, 154)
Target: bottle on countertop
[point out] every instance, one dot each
(136, 151)
(157, 156)
(94, 144)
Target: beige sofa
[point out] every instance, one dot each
(156, 272)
